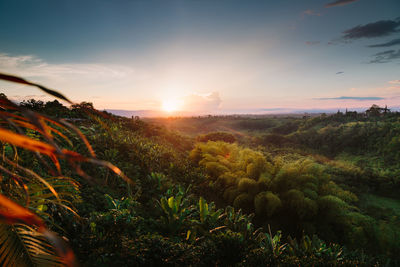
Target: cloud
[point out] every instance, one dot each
(371, 30)
(358, 98)
(340, 72)
(20, 98)
(310, 12)
(202, 102)
(340, 3)
(31, 66)
(386, 56)
(35, 96)
(387, 44)
(313, 42)
(394, 82)
(78, 81)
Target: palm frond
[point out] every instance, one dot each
(21, 245)
(13, 214)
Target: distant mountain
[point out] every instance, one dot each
(261, 111)
(148, 113)
(130, 113)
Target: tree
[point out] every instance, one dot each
(36, 105)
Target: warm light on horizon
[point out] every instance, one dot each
(170, 105)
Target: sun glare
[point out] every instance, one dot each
(170, 105)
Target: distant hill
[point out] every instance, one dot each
(140, 113)
(264, 111)
(148, 113)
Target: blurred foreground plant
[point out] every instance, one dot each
(27, 197)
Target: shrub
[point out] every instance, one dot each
(266, 204)
(248, 185)
(244, 201)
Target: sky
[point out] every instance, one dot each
(200, 56)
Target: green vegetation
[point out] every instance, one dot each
(281, 191)
(264, 191)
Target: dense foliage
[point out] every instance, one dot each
(267, 196)
(292, 193)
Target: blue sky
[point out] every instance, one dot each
(205, 56)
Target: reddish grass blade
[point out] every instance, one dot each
(18, 181)
(9, 114)
(33, 174)
(26, 142)
(81, 135)
(12, 212)
(56, 162)
(43, 148)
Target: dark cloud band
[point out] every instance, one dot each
(386, 56)
(387, 44)
(371, 30)
(340, 3)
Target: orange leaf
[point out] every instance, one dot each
(81, 135)
(26, 142)
(12, 212)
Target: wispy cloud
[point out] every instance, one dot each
(31, 66)
(358, 98)
(394, 82)
(313, 42)
(371, 30)
(20, 98)
(35, 96)
(311, 12)
(387, 44)
(386, 56)
(340, 3)
(340, 72)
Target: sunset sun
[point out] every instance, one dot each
(170, 105)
